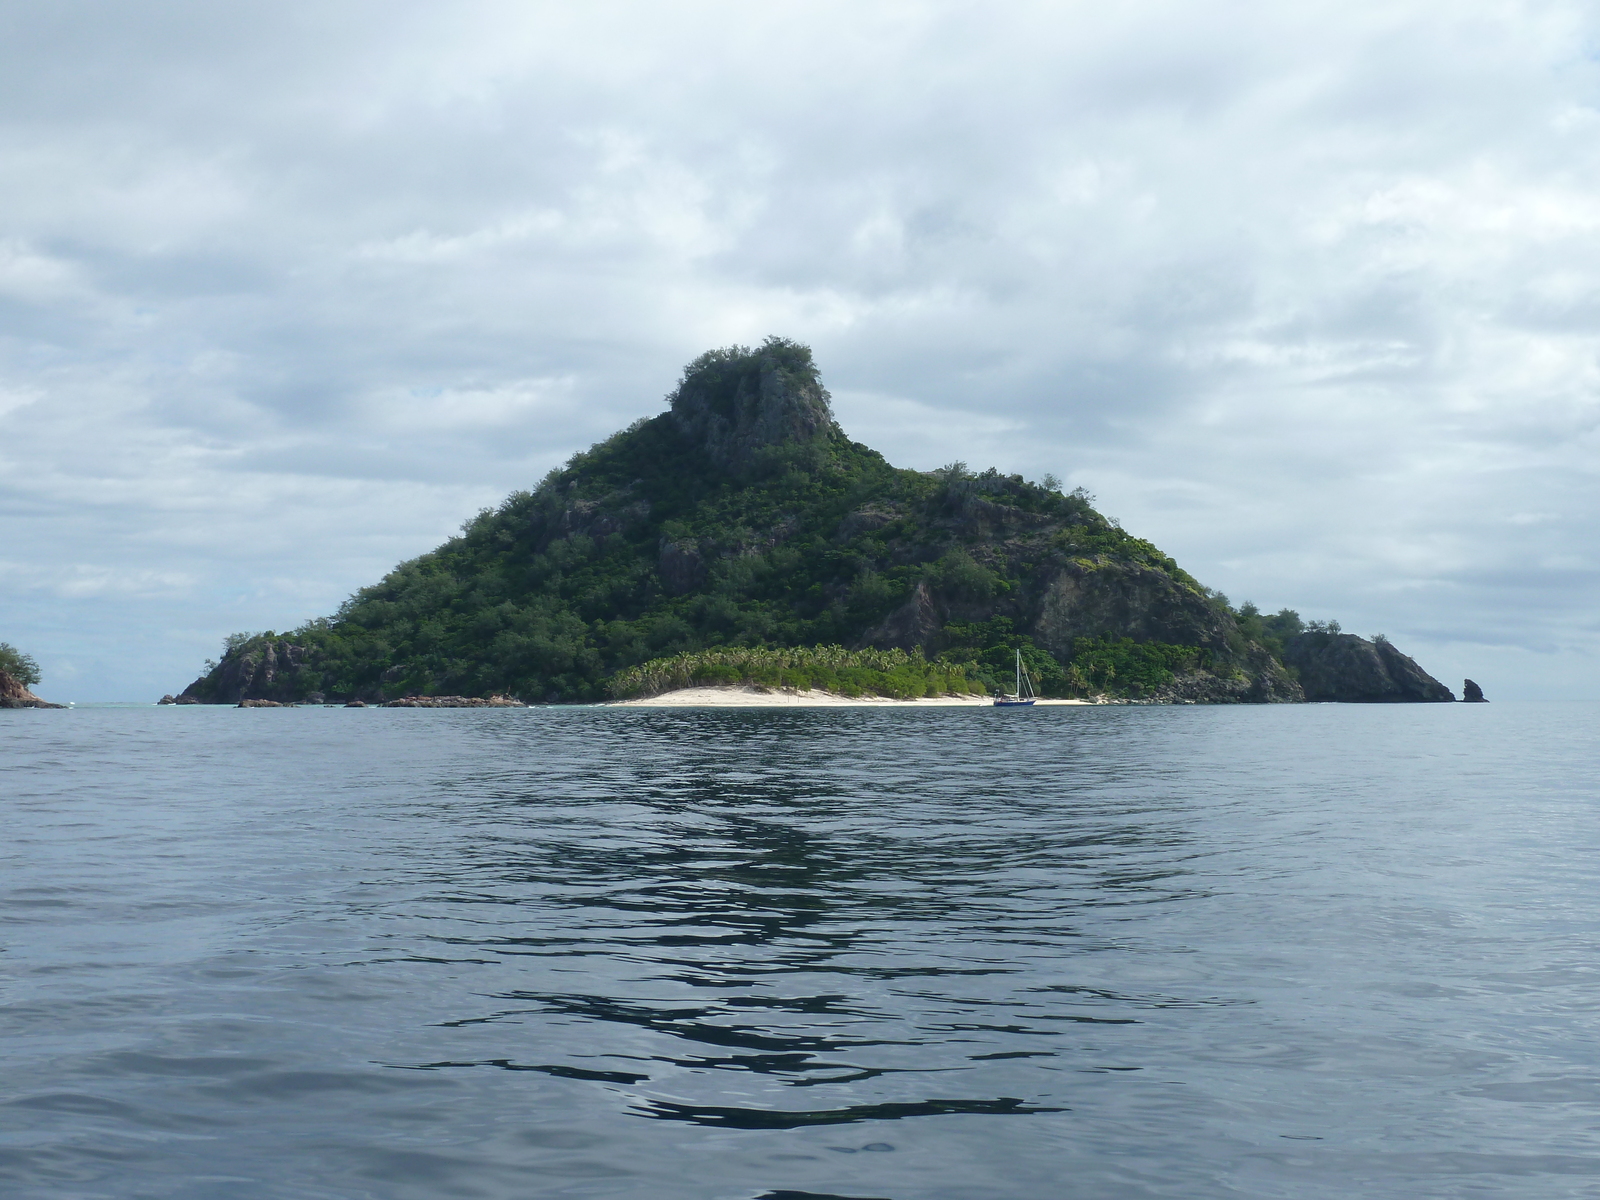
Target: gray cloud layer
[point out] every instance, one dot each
(1307, 297)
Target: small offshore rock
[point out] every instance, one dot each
(169, 698)
(1471, 693)
(356, 704)
(455, 702)
(264, 704)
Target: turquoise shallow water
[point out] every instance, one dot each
(1314, 951)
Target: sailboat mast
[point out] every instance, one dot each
(1019, 673)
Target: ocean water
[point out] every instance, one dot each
(1314, 951)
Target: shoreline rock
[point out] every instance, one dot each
(1471, 693)
(1352, 670)
(15, 694)
(269, 671)
(455, 702)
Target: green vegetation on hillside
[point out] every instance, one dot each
(18, 665)
(1275, 629)
(1111, 664)
(987, 651)
(717, 527)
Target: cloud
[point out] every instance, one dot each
(1307, 295)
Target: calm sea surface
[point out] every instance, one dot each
(1319, 951)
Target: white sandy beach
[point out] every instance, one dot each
(749, 697)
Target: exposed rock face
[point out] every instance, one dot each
(1091, 600)
(1260, 679)
(1086, 595)
(737, 413)
(682, 567)
(268, 672)
(1268, 686)
(14, 694)
(1471, 693)
(975, 517)
(914, 625)
(1134, 600)
(865, 520)
(265, 704)
(1080, 599)
(600, 518)
(1342, 666)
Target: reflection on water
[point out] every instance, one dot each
(1316, 951)
(794, 897)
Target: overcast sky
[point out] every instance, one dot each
(1308, 295)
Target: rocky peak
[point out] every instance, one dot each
(265, 668)
(737, 402)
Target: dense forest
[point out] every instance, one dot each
(744, 518)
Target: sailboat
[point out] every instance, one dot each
(1023, 695)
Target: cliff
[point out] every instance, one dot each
(14, 694)
(263, 668)
(739, 406)
(744, 516)
(1343, 667)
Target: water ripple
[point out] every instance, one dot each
(1310, 952)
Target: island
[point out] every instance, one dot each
(741, 541)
